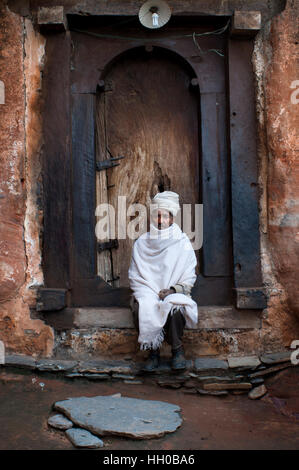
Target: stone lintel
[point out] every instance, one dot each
(245, 23)
(52, 18)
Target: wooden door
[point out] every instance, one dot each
(148, 112)
(168, 122)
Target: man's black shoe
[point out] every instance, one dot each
(152, 362)
(178, 359)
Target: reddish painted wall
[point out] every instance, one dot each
(274, 62)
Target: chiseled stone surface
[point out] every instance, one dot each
(270, 370)
(21, 133)
(205, 363)
(133, 382)
(227, 386)
(280, 107)
(21, 62)
(257, 381)
(123, 376)
(212, 392)
(105, 367)
(83, 438)
(171, 382)
(222, 379)
(96, 376)
(123, 416)
(60, 422)
(55, 365)
(243, 362)
(257, 392)
(24, 362)
(276, 358)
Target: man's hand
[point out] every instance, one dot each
(165, 292)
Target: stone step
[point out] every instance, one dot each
(209, 317)
(205, 369)
(94, 331)
(207, 375)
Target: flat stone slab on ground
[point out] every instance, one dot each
(133, 382)
(91, 376)
(105, 367)
(60, 422)
(164, 367)
(24, 362)
(243, 362)
(204, 364)
(224, 378)
(212, 392)
(257, 392)
(257, 381)
(270, 370)
(82, 438)
(123, 376)
(123, 416)
(172, 381)
(53, 365)
(227, 386)
(276, 358)
(97, 376)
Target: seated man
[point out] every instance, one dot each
(161, 275)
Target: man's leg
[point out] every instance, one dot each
(135, 309)
(154, 355)
(174, 329)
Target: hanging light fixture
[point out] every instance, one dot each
(154, 14)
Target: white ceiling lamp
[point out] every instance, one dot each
(154, 14)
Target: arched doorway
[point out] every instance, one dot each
(148, 111)
(164, 109)
(227, 160)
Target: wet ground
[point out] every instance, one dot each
(209, 422)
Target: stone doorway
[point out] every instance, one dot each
(219, 133)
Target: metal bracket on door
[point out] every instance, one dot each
(114, 279)
(107, 245)
(109, 163)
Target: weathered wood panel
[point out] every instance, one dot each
(213, 290)
(244, 175)
(104, 265)
(83, 150)
(96, 292)
(215, 186)
(57, 234)
(50, 299)
(151, 119)
(179, 7)
(91, 56)
(255, 298)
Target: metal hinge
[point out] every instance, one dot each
(107, 245)
(109, 163)
(113, 279)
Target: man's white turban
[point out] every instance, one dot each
(167, 200)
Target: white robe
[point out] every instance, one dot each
(160, 259)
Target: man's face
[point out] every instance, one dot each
(162, 218)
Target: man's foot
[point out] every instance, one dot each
(178, 359)
(152, 362)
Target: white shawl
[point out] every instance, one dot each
(160, 259)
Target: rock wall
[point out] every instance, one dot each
(21, 57)
(275, 62)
